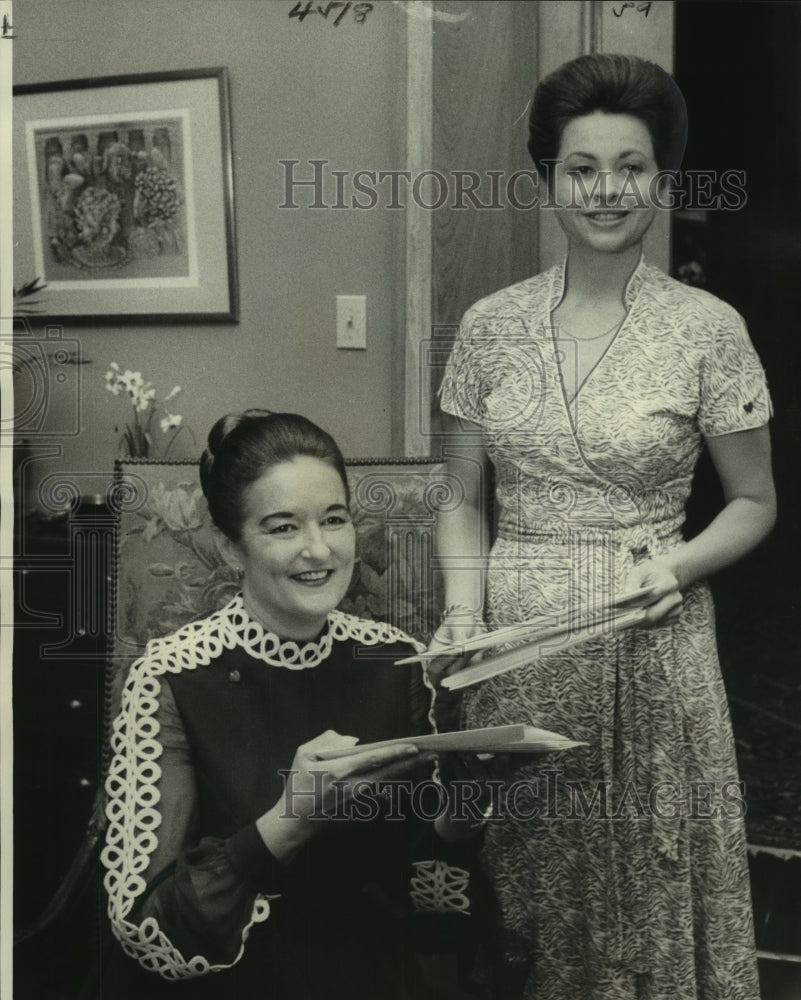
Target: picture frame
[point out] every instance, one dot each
(124, 200)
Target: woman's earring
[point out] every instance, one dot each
(239, 572)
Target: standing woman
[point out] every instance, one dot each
(224, 877)
(592, 388)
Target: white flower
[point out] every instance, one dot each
(142, 397)
(132, 380)
(171, 420)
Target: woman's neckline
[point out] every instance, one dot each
(270, 648)
(257, 619)
(592, 275)
(565, 333)
(629, 292)
(558, 288)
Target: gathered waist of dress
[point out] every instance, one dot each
(640, 538)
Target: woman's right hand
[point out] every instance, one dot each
(315, 788)
(458, 625)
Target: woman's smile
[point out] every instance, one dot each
(606, 216)
(314, 577)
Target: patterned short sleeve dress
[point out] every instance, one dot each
(620, 868)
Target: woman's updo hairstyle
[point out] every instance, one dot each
(615, 84)
(243, 446)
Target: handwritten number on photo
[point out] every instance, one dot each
(301, 14)
(359, 10)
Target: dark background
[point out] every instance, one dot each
(739, 66)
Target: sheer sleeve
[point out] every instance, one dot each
(734, 392)
(182, 906)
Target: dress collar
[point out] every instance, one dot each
(265, 645)
(630, 292)
(240, 629)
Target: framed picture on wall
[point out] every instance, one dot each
(124, 200)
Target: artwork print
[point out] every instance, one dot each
(111, 199)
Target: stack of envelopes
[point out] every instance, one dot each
(492, 739)
(529, 640)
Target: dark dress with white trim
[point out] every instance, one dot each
(209, 717)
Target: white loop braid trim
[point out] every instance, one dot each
(132, 782)
(438, 887)
(265, 645)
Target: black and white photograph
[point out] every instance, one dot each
(399, 448)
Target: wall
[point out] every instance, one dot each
(298, 90)
(484, 71)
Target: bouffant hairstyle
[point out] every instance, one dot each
(243, 446)
(615, 84)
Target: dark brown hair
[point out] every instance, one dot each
(615, 84)
(243, 446)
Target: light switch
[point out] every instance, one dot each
(352, 322)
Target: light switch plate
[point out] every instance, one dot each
(352, 322)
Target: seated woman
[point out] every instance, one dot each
(224, 878)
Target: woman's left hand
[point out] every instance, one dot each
(666, 600)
